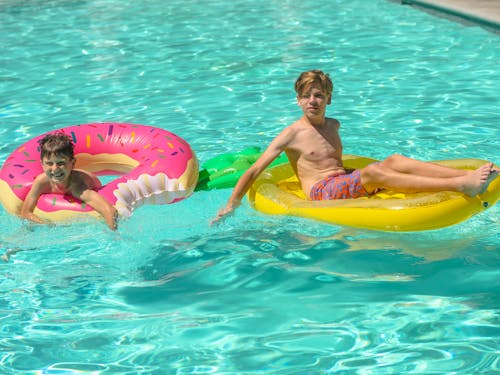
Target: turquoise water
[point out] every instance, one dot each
(167, 293)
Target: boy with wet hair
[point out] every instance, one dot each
(60, 177)
(314, 150)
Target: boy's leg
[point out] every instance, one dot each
(378, 175)
(403, 164)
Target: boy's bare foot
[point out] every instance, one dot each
(493, 174)
(478, 181)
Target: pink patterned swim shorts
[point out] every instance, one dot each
(338, 187)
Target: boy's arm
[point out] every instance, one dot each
(247, 179)
(31, 200)
(101, 205)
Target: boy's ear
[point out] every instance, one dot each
(329, 99)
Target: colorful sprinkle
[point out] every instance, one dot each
(73, 135)
(110, 130)
(170, 145)
(54, 200)
(101, 138)
(88, 141)
(133, 137)
(154, 163)
(147, 146)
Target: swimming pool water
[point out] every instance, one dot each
(169, 294)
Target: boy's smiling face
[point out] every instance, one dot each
(58, 168)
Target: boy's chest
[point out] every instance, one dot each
(56, 188)
(317, 144)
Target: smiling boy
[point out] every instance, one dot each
(60, 177)
(314, 150)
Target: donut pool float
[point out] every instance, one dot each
(277, 191)
(152, 165)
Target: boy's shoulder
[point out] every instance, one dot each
(41, 179)
(80, 176)
(333, 122)
(293, 129)
(41, 184)
(83, 179)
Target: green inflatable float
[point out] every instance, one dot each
(224, 171)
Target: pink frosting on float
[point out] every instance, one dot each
(164, 168)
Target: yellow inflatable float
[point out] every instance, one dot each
(277, 191)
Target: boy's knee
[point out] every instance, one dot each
(373, 172)
(393, 159)
(373, 176)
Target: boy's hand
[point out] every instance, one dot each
(113, 223)
(102, 206)
(224, 212)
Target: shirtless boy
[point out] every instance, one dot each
(60, 177)
(314, 150)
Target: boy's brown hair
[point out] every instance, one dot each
(306, 79)
(58, 144)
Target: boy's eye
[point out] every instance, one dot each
(58, 163)
(316, 95)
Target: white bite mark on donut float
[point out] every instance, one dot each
(148, 189)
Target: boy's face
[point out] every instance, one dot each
(58, 167)
(314, 100)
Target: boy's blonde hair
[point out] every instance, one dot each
(306, 79)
